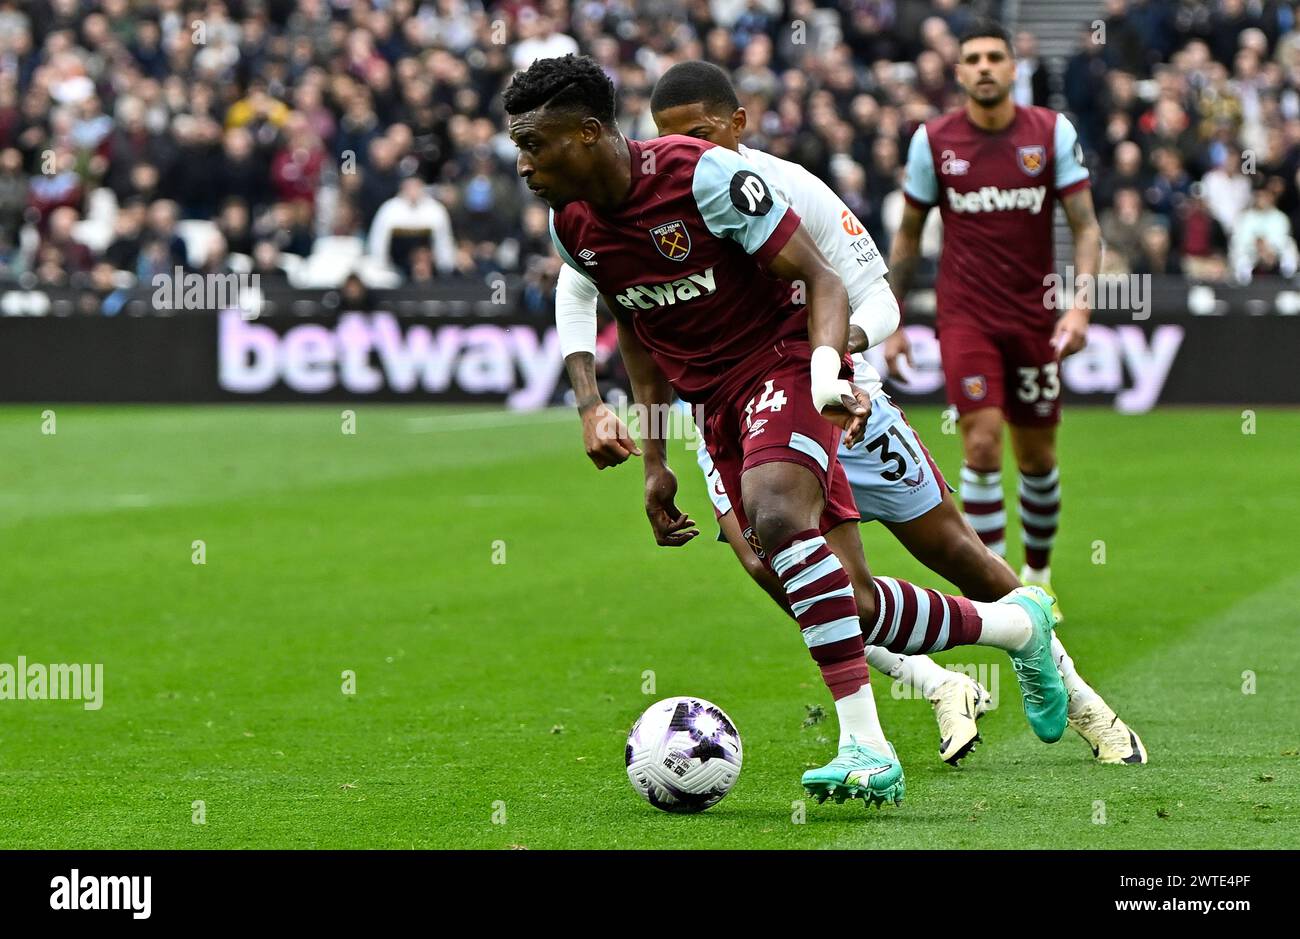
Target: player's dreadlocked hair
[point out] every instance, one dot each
(985, 28)
(689, 82)
(571, 82)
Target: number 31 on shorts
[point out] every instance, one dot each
(1039, 383)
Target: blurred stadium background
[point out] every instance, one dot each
(350, 154)
(344, 162)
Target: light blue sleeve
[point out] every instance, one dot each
(1069, 154)
(562, 251)
(920, 182)
(734, 200)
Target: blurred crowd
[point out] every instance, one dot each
(306, 140)
(1190, 114)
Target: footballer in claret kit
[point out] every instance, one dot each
(572, 437)
(892, 477)
(694, 251)
(995, 170)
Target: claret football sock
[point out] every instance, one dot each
(916, 619)
(1040, 510)
(981, 501)
(821, 599)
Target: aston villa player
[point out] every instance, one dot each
(693, 251)
(996, 170)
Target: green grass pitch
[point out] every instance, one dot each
(492, 699)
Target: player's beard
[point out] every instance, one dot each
(989, 96)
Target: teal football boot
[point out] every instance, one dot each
(1041, 688)
(857, 771)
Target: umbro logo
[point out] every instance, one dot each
(587, 256)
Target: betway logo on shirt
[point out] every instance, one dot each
(649, 296)
(993, 199)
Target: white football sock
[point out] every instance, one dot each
(1080, 691)
(918, 672)
(1005, 625)
(858, 718)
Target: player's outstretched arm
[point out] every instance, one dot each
(840, 401)
(654, 395)
(1072, 329)
(604, 436)
(904, 256)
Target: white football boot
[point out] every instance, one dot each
(958, 703)
(1111, 740)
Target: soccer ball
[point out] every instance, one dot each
(683, 754)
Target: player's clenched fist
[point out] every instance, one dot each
(851, 414)
(605, 437)
(838, 400)
(671, 527)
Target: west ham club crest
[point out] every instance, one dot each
(975, 387)
(1032, 159)
(672, 240)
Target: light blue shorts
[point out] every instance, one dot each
(890, 471)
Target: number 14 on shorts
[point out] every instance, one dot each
(769, 399)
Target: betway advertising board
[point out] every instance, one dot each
(382, 356)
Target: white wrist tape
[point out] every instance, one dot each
(575, 312)
(827, 386)
(877, 315)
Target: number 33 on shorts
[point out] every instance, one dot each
(1039, 383)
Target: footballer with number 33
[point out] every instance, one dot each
(995, 170)
(694, 252)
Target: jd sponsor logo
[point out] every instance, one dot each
(90, 892)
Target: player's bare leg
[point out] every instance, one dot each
(943, 540)
(752, 563)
